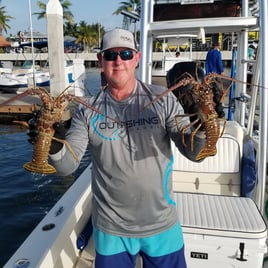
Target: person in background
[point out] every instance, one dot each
(251, 52)
(133, 211)
(214, 60)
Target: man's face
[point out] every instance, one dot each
(119, 65)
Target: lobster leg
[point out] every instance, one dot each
(182, 130)
(212, 134)
(68, 146)
(194, 133)
(224, 125)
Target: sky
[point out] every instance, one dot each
(89, 11)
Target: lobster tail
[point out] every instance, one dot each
(37, 168)
(212, 130)
(205, 152)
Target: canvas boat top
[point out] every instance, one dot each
(228, 216)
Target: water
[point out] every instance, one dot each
(25, 198)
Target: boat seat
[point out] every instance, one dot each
(217, 229)
(219, 174)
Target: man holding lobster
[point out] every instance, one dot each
(133, 208)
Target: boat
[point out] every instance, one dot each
(22, 78)
(14, 83)
(222, 218)
(6, 67)
(14, 79)
(169, 58)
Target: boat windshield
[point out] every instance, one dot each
(28, 64)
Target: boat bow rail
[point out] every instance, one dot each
(186, 26)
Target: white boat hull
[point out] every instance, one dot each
(56, 247)
(24, 78)
(10, 83)
(54, 239)
(214, 225)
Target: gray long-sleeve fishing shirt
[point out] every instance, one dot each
(132, 159)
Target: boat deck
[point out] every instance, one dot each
(215, 228)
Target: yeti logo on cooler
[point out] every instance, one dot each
(199, 255)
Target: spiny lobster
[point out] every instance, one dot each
(50, 113)
(200, 100)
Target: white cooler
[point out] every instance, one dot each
(221, 231)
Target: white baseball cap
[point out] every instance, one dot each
(118, 38)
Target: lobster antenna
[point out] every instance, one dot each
(239, 81)
(164, 93)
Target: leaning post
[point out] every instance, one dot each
(54, 14)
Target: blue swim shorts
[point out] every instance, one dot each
(162, 250)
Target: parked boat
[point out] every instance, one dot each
(13, 79)
(221, 227)
(11, 83)
(20, 79)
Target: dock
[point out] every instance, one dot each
(20, 109)
(90, 59)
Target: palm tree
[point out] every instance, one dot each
(67, 14)
(70, 29)
(4, 19)
(128, 6)
(89, 35)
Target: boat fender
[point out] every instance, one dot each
(83, 238)
(248, 172)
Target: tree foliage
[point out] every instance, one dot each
(89, 35)
(128, 6)
(85, 34)
(67, 14)
(4, 19)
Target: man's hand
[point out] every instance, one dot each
(32, 128)
(60, 132)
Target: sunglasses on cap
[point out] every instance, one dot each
(111, 55)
